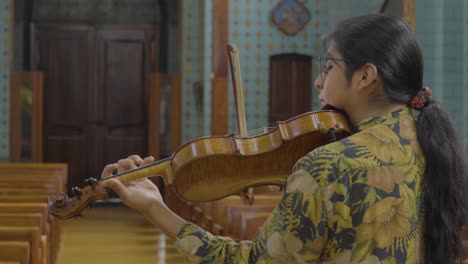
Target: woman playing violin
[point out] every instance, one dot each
(390, 193)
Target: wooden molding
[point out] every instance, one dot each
(37, 118)
(15, 117)
(219, 94)
(156, 80)
(220, 37)
(219, 106)
(176, 113)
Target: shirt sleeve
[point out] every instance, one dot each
(295, 231)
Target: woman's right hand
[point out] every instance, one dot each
(140, 194)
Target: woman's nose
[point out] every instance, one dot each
(318, 82)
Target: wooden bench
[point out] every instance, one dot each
(51, 176)
(236, 226)
(251, 223)
(30, 234)
(15, 252)
(220, 208)
(26, 188)
(34, 220)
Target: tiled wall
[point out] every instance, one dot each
(441, 28)
(193, 65)
(6, 25)
(257, 38)
(465, 74)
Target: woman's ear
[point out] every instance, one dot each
(368, 76)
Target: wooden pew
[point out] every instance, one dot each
(30, 234)
(33, 183)
(35, 214)
(51, 175)
(251, 223)
(15, 252)
(34, 220)
(220, 208)
(236, 226)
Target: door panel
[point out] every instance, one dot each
(290, 86)
(65, 55)
(123, 72)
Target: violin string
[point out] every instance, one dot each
(260, 131)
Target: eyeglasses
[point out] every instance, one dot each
(323, 65)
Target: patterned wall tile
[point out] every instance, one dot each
(441, 31)
(251, 29)
(6, 51)
(207, 65)
(465, 75)
(192, 70)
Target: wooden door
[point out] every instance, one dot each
(126, 56)
(95, 94)
(290, 86)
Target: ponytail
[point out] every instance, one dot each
(444, 184)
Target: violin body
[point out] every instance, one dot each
(211, 168)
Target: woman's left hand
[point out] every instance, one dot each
(140, 194)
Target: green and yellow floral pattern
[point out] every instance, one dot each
(357, 200)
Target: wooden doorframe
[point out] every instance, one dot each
(36, 82)
(157, 81)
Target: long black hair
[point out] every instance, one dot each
(389, 44)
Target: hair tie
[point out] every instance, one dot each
(422, 98)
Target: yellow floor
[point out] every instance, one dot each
(114, 235)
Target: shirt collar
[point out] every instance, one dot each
(389, 119)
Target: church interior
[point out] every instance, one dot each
(84, 83)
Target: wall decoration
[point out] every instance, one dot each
(290, 16)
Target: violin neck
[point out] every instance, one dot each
(158, 168)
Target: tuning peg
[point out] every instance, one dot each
(91, 182)
(77, 192)
(77, 216)
(59, 202)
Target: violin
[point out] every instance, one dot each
(211, 168)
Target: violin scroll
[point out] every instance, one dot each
(63, 207)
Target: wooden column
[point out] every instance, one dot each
(409, 13)
(219, 97)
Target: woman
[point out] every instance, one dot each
(390, 193)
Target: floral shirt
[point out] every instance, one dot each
(357, 200)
